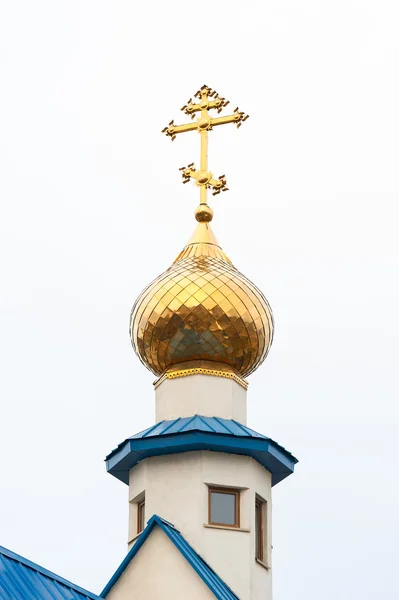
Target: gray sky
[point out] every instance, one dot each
(92, 209)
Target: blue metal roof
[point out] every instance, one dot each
(21, 579)
(217, 586)
(200, 433)
(198, 423)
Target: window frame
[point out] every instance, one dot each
(260, 509)
(232, 492)
(140, 515)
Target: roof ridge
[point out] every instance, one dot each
(203, 418)
(221, 421)
(145, 432)
(189, 420)
(171, 423)
(159, 520)
(247, 429)
(45, 572)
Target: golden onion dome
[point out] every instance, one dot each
(202, 312)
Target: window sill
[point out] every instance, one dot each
(134, 538)
(226, 527)
(262, 564)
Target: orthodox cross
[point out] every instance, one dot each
(208, 99)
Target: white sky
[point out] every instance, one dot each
(92, 209)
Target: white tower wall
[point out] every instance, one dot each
(176, 488)
(206, 395)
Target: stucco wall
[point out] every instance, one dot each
(176, 488)
(159, 571)
(196, 394)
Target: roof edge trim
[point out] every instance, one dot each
(217, 586)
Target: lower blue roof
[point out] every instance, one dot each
(200, 433)
(217, 586)
(22, 579)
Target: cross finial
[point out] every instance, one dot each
(208, 100)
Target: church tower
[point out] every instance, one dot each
(200, 481)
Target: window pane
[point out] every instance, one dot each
(223, 508)
(257, 530)
(141, 521)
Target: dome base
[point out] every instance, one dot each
(201, 367)
(201, 387)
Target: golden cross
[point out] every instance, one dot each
(208, 100)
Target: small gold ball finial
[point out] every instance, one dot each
(203, 213)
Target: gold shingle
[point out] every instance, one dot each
(202, 308)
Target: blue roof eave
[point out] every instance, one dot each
(268, 453)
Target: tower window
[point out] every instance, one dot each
(224, 507)
(140, 516)
(260, 529)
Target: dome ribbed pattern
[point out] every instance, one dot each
(202, 308)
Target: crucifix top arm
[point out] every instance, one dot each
(208, 100)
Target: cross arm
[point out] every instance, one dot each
(188, 173)
(172, 130)
(218, 104)
(204, 179)
(218, 185)
(237, 117)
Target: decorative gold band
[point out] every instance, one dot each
(200, 369)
